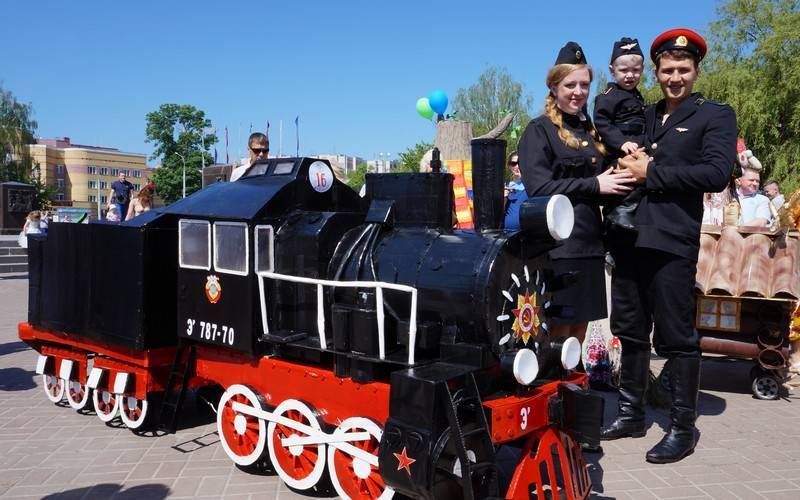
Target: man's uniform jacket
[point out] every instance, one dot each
(693, 153)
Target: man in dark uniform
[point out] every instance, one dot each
(691, 143)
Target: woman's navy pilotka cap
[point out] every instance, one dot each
(626, 47)
(679, 39)
(571, 53)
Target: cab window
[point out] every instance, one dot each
(230, 247)
(194, 244)
(265, 243)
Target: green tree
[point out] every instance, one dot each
(357, 178)
(16, 130)
(753, 65)
(43, 194)
(179, 130)
(410, 158)
(486, 102)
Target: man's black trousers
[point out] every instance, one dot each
(654, 287)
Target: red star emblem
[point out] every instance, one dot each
(404, 461)
(527, 317)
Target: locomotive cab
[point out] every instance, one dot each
(229, 232)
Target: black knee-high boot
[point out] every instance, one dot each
(633, 384)
(680, 440)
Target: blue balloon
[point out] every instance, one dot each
(438, 101)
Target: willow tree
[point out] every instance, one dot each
(16, 130)
(754, 65)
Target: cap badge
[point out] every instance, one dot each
(681, 41)
(628, 46)
(578, 54)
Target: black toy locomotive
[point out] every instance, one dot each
(362, 337)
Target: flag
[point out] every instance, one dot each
(227, 160)
(297, 134)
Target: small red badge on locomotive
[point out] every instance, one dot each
(213, 289)
(404, 461)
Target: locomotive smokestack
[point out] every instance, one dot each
(488, 162)
(436, 161)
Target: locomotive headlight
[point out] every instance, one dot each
(522, 364)
(560, 217)
(551, 216)
(570, 353)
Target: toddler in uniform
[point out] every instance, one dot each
(619, 118)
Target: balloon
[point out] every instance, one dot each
(438, 101)
(424, 108)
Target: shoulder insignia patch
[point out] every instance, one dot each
(608, 90)
(700, 101)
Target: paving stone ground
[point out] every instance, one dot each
(748, 448)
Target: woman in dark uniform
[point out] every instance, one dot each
(560, 153)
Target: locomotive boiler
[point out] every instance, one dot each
(360, 344)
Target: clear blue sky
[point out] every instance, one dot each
(352, 70)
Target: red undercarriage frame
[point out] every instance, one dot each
(551, 459)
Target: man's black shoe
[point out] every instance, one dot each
(676, 445)
(621, 428)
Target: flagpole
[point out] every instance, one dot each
(280, 140)
(297, 135)
(227, 158)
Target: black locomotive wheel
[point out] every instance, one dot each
(448, 467)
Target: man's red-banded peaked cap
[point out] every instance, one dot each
(679, 38)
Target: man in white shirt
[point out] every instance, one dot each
(773, 191)
(755, 207)
(257, 148)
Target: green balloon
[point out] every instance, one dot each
(424, 108)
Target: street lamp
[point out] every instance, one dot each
(184, 173)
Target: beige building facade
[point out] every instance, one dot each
(84, 174)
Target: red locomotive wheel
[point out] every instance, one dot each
(134, 411)
(351, 475)
(53, 387)
(243, 436)
(300, 466)
(77, 394)
(105, 404)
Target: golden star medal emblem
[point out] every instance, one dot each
(526, 322)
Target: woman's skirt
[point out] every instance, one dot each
(587, 296)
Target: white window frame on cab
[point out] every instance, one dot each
(180, 243)
(271, 247)
(219, 269)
